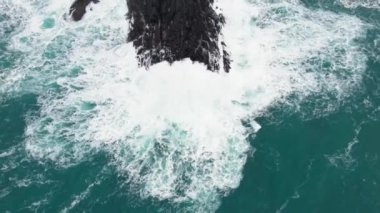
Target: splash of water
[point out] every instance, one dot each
(176, 131)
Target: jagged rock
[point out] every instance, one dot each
(172, 30)
(78, 8)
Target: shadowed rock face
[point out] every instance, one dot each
(78, 8)
(172, 30)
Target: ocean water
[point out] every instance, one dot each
(293, 128)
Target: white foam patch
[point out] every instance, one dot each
(176, 131)
(373, 4)
(308, 48)
(11, 20)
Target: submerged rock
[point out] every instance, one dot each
(172, 30)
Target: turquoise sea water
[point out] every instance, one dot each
(295, 129)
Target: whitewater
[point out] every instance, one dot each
(176, 133)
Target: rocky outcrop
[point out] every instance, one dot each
(172, 30)
(78, 8)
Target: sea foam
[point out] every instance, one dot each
(176, 131)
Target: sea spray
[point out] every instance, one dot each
(176, 132)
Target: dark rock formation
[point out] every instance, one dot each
(78, 8)
(172, 30)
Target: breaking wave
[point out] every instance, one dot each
(179, 132)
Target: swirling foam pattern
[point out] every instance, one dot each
(178, 133)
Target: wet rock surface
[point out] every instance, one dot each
(78, 8)
(172, 30)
